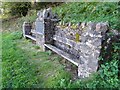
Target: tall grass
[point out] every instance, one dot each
(16, 70)
(90, 11)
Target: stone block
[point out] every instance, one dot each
(27, 28)
(40, 40)
(47, 13)
(39, 26)
(78, 24)
(83, 71)
(69, 24)
(83, 24)
(91, 26)
(102, 27)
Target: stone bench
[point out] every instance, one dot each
(84, 52)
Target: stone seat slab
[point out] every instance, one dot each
(65, 55)
(31, 37)
(35, 32)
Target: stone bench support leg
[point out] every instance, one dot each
(40, 41)
(26, 28)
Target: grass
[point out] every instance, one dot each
(24, 65)
(0, 61)
(90, 11)
(28, 66)
(14, 58)
(48, 66)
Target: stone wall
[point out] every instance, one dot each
(26, 28)
(82, 41)
(44, 28)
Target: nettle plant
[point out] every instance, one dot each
(109, 59)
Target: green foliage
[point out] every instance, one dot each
(16, 70)
(30, 68)
(42, 5)
(49, 52)
(89, 11)
(39, 5)
(28, 19)
(16, 8)
(37, 47)
(19, 72)
(109, 75)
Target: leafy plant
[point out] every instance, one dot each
(16, 8)
(89, 11)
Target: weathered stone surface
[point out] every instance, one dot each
(86, 51)
(83, 71)
(88, 48)
(39, 26)
(93, 64)
(103, 27)
(91, 25)
(69, 24)
(26, 28)
(83, 24)
(97, 42)
(55, 16)
(78, 24)
(40, 40)
(84, 48)
(47, 13)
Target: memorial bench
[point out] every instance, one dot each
(81, 46)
